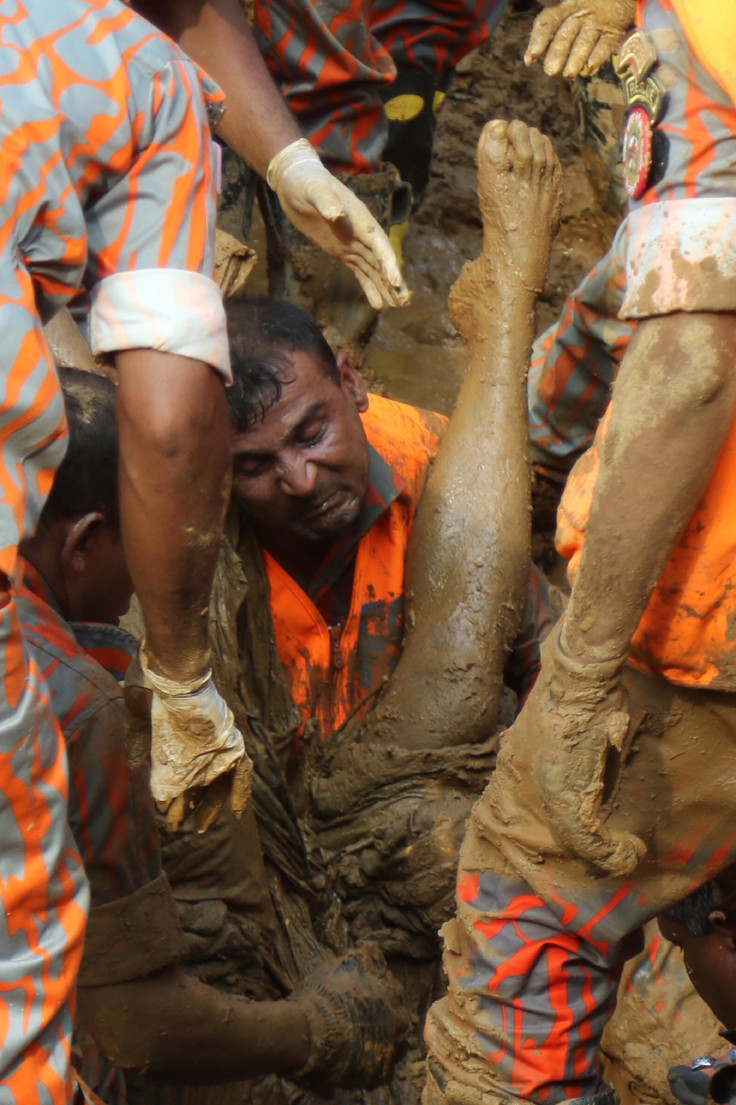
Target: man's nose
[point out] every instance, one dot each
(298, 476)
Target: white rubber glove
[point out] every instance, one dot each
(328, 213)
(576, 34)
(198, 758)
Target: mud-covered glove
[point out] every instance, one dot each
(580, 714)
(198, 760)
(328, 213)
(576, 34)
(357, 1020)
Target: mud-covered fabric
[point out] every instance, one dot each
(659, 1022)
(536, 950)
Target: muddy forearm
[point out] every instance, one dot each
(257, 123)
(674, 403)
(174, 1028)
(174, 482)
(469, 554)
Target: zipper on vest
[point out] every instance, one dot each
(336, 657)
(337, 663)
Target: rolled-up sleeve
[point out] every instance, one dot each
(151, 232)
(680, 256)
(188, 317)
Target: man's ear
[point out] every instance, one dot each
(726, 925)
(76, 543)
(351, 383)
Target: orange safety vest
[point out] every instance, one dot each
(710, 27)
(333, 675)
(688, 630)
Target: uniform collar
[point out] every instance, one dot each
(110, 645)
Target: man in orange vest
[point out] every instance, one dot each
(602, 811)
(330, 479)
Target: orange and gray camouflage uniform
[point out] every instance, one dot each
(334, 62)
(535, 952)
(106, 182)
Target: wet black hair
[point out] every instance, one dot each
(87, 480)
(693, 912)
(262, 332)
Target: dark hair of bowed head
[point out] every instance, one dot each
(262, 333)
(87, 480)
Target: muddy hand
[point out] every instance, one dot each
(520, 195)
(198, 760)
(576, 34)
(581, 718)
(328, 213)
(357, 1020)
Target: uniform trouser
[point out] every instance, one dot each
(42, 884)
(535, 952)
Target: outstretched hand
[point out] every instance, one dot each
(326, 212)
(578, 34)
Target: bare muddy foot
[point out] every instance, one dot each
(520, 196)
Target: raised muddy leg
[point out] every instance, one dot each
(469, 553)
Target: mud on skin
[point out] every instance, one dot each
(469, 553)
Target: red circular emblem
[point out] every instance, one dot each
(637, 152)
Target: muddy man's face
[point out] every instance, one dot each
(303, 470)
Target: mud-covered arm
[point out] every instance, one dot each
(674, 403)
(174, 1027)
(344, 1026)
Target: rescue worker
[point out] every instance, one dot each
(260, 129)
(599, 816)
(329, 478)
(108, 194)
(75, 585)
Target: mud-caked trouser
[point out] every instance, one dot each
(534, 954)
